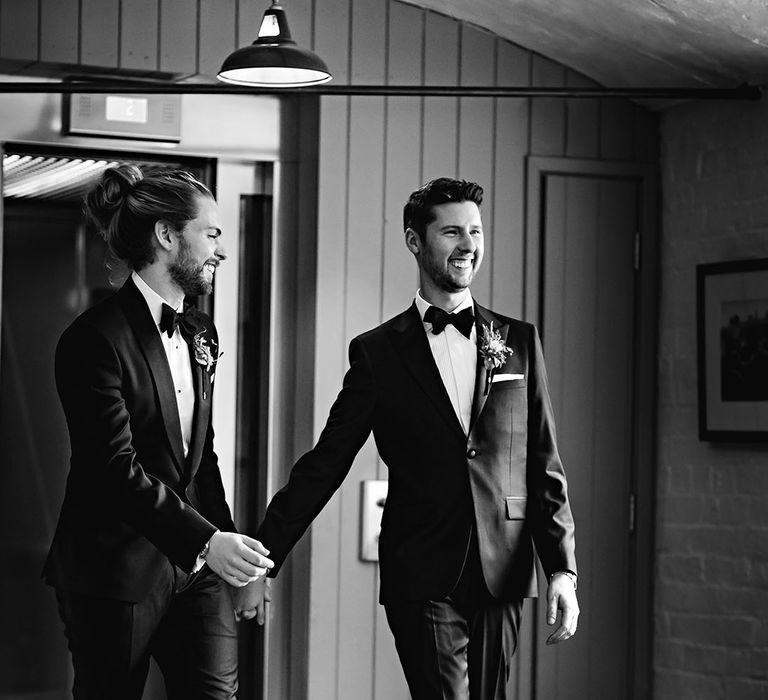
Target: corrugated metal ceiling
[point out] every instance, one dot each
(32, 177)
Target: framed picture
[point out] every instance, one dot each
(732, 310)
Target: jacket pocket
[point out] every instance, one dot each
(516, 507)
(506, 384)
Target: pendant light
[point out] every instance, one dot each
(274, 59)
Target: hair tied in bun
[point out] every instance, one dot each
(118, 182)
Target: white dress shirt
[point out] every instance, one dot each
(456, 359)
(177, 351)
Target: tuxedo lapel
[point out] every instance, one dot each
(411, 342)
(202, 413)
(151, 346)
(483, 317)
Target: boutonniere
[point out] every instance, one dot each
(206, 350)
(494, 352)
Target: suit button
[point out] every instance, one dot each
(472, 454)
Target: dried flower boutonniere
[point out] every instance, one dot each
(494, 352)
(206, 352)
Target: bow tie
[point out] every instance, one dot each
(440, 319)
(170, 320)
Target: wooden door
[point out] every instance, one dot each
(586, 286)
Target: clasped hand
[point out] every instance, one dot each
(238, 559)
(251, 601)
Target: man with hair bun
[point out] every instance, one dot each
(456, 398)
(145, 550)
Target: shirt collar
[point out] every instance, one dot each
(154, 300)
(422, 304)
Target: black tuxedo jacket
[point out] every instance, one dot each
(504, 481)
(133, 504)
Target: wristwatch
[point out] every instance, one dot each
(569, 574)
(204, 551)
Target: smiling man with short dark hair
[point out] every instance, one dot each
(456, 397)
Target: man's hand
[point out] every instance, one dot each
(561, 595)
(238, 559)
(251, 600)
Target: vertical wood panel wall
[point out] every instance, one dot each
(373, 151)
(134, 37)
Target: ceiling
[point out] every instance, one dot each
(633, 43)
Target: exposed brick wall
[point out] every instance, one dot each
(711, 591)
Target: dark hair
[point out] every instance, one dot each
(126, 204)
(418, 212)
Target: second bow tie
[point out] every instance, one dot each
(170, 319)
(440, 319)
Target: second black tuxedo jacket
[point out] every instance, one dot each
(133, 504)
(504, 481)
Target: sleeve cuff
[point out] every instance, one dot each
(200, 560)
(570, 574)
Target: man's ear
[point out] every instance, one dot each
(164, 235)
(412, 241)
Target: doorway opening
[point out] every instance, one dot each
(52, 270)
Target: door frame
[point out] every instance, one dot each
(643, 468)
(253, 361)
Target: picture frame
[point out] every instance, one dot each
(732, 340)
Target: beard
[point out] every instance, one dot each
(188, 274)
(439, 272)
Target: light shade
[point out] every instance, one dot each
(274, 59)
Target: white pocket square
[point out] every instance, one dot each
(506, 377)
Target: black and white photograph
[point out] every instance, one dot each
(744, 351)
(732, 301)
(383, 349)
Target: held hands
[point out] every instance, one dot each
(251, 600)
(238, 559)
(561, 595)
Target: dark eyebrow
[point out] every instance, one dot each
(455, 226)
